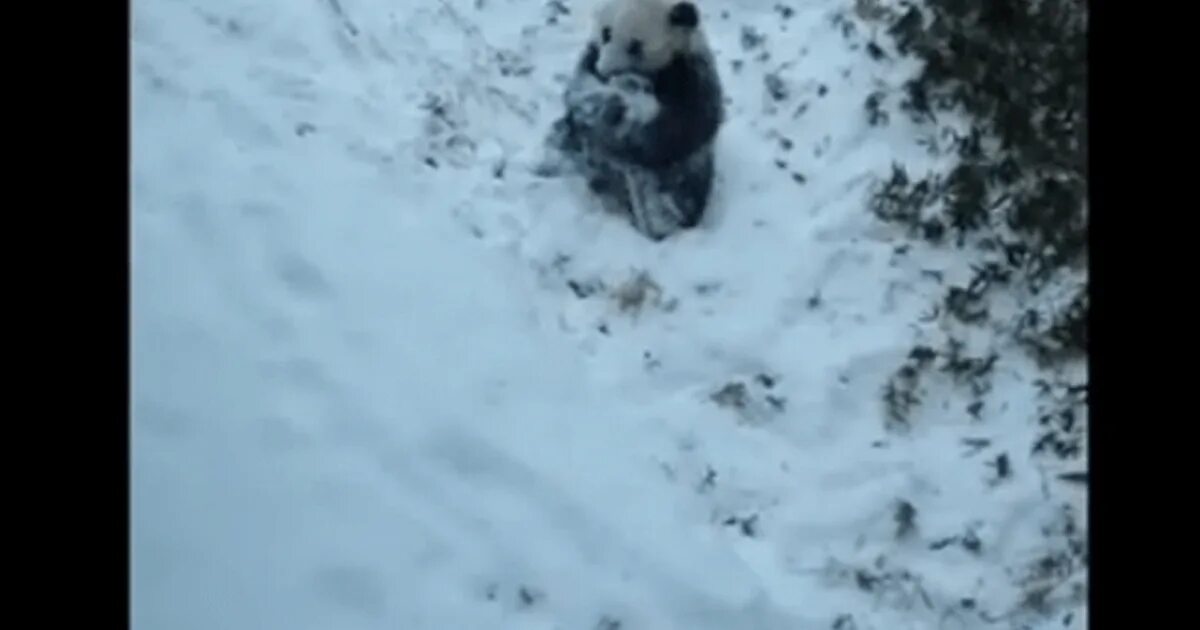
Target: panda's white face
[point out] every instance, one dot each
(643, 36)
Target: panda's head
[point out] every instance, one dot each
(644, 36)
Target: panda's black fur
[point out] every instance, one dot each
(658, 169)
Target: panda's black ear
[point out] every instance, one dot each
(684, 15)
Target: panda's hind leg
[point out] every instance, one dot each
(609, 186)
(663, 203)
(654, 211)
(692, 189)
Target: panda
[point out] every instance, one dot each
(643, 109)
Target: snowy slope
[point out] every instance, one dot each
(385, 377)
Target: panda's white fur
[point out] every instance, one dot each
(643, 109)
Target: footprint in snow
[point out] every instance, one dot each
(302, 278)
(356, 588)
(281, 434)
(305, 374)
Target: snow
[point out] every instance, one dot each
(366, 395)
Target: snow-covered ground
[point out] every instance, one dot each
(385, 377)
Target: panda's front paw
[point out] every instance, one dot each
(587, 111)
(632, 83)
(614, 111)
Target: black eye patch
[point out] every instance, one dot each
(635, 48)
(606, 34)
